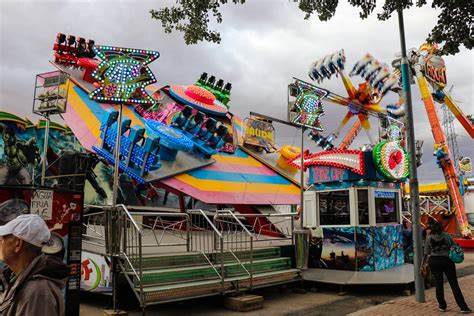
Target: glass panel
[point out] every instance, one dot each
(334, 208)
(363, 206)
(386, 207)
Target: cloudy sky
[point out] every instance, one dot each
(264, 44)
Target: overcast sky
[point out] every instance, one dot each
(264, 44)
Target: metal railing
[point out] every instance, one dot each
(132, 238)
(94, 226)
(220, 237)
(236, 239)
(207, 240)
(271, 230)
(135, 238)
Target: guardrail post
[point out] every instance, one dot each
(251, 262)
(188, 233)
(222, 266)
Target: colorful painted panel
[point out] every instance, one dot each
(20, 152)
(236, 179)
(339, 248)
(357, 248)
(365, 248)
(388, 246)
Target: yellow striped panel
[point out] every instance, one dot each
(85, 114)
(228, 186)
(248, 161)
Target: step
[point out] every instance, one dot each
(176, 275)
(259, 266)
(206, 272)
(168, 260)
(182, 291)
(196, 258)
(258, 253)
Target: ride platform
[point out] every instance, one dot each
(399, 275)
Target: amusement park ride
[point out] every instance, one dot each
(184, 140)
(427, 67)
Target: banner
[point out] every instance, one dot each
(259, 133)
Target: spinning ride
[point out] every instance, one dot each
(429, 68)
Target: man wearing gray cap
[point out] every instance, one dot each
(33, 280)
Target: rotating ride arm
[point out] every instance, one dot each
(465, 122)
(347, 141)
(446, 164)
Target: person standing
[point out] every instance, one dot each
(437, 247)
(33, 280)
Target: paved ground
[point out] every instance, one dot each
(358, 300)
(408, 305)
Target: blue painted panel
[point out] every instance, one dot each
(388, 247)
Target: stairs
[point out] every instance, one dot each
(173, 277)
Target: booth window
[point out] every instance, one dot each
(386, 206)
(363, 206)
(334, 208)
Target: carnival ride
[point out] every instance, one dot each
(363, 101)
(429, 68)
(352, 201)
(183, 141)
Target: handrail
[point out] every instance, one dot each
(259, 232)
(229, 212)
(130, 237)
(207, 219)
(130, 217)
(234, 217)
(217, 234)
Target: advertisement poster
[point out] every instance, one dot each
(96, 273)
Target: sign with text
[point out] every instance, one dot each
(259, 133)
(322, 174)
(42, 204)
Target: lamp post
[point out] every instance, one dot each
(414, 190)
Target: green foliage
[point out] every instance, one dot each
(454, 26)
(192, 18)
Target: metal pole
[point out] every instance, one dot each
(45, 149)
(113, 223)
(117, 158)
(302, 178)
(414, 191)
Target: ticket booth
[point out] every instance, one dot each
(354, 211)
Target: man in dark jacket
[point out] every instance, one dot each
(33, 280)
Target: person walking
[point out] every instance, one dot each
(437, 247)
(33, 280)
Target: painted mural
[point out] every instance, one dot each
(357, 248)
(388, 250)
(21, 149)
(364, 248)
(19, 152)
(339, 248)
